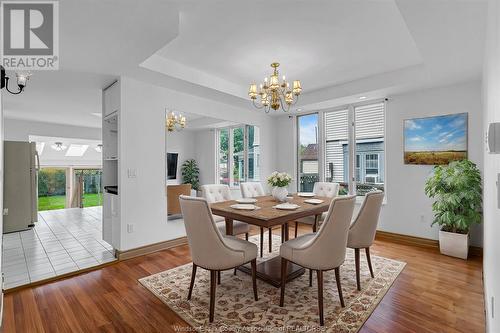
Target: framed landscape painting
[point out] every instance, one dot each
(435, 140)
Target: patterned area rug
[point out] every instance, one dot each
(236, 310)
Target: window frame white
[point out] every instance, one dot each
(230, 157)
(351, 139)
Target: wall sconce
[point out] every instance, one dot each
(22, 79)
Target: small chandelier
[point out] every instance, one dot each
(22, 79)
(58, 146)
(98, 148)
(275, 94)
(175, 122)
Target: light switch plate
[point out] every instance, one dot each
(132, 173)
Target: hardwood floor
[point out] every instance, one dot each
(434, 293)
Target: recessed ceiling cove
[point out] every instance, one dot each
(228, 45)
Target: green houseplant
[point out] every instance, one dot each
(457, 193)
(191, 174)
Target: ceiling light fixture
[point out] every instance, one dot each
(22, 79)
(175, 122)
(98, 148)
(58, 146)
(275, 94)
(362, 97)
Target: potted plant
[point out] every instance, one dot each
(191, 174)
(279, 181)
(457, 191)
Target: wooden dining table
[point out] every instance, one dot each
(269, 270)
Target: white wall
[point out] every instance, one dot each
(20, 130)
(491, 101)
(1, 196)
(408, 210)
(183, 143)
(143, 147)
(205, 155)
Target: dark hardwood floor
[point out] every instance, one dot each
(434, 293)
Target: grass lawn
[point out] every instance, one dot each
(59, 201)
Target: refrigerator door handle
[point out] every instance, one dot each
(37, 165)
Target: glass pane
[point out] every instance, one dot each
(88, 184)
(337, 150)
(308, 152)
(238, 155)
(253, 148)
(223, 156)
(51, 188)
(370, 147)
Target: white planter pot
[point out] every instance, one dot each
(453, 244)
(280, 193)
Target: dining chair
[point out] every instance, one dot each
(321, 189)
(216, 193)
(210, 249)
(321, 251)
(362, 230)
(252, 190)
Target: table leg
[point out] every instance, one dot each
(316, 222)
(287, 236)
(229, 226)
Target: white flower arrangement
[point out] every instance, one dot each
(279, 179)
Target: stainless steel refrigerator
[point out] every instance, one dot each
(20, 200)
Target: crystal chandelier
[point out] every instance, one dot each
(175, 122)
(275, 94)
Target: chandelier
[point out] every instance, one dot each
(58, 146)
(175, 122)
(275, 94)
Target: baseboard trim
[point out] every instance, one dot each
(419, 241)
(140, 251)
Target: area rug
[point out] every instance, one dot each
(236, 310)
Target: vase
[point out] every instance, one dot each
(280, 193)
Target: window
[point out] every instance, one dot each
(367, 152)
(51, 188)
(238, 155)
(308, 158)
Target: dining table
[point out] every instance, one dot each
(267, 215)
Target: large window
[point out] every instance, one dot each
(351, 136)
(51, 188)
(308, 158)
(238, 154)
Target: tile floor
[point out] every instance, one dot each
(62, 241)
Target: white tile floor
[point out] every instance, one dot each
(62, 241)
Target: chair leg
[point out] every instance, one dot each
(320, 297)
(270, 240)
(367, 250)
(356, 260)
(193, 275)
(339, 287)
(246, 236)
(218, 277)
(310, 278)
(254, 279)
(261, 242)
(296, 228)
(235, 270)
(284, 263)
(213, 286)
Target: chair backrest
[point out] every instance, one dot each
(325, 189)
(251, 190)
(216, 192)
(362, 231)
(328, 248)
(205, 241)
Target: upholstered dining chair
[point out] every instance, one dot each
(362, 230)
(322, 189)
(210, 249)
(321, 251)
(216, 193)
(252, 190)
